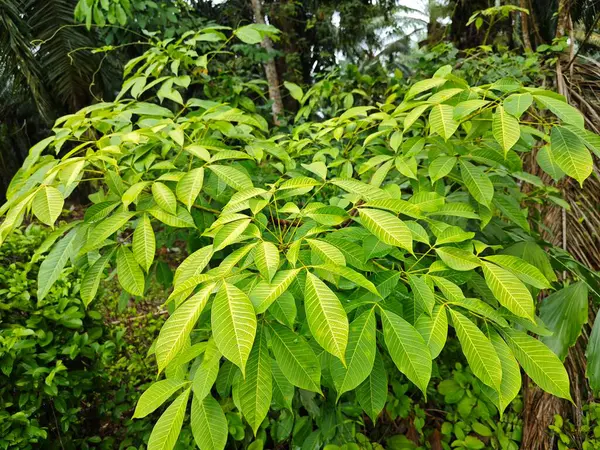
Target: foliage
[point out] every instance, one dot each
(590, 429)
(53, 353)
(326, 255)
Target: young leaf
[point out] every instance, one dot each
(193, 265)
(478, 350)
(407, 349)
(440, 167)
(264, 294)
(538, 361)
(360, 354)
(232, 177)
(509, 291)
(209, 424)
(229, 233)
(48, 204)
(189, 187)
(167, 428)
(156, 395)
(372, 393)
(295, 358)
(233, 324)
(387, 228)
(326, 317)
(144, 243)
(131, 277)
(176, 330)
(256, 388)
(422, 293)
(164, 197)
(505, 129)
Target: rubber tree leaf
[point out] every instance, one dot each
(53, 265)
(360, 354)
(176, 330)
(156, 395)
(505, 129)
(509, 291)
(209, 424)
(164, 197)
(93, 276)
(457, 258)
(372, 393)
(144, 243)
(189, 187)
(295, 358)
(256, 388)
(570, 154)
(386, 227)
(407, 348)
(166, 430)
(266, 257)
(131, 277)
(593, 356)
(441, 121)
(434, 329)
(326, 317)
(565, 312)
(479, 351)
(477, 182)
(47, 204)
(233, 324)
(539, 362)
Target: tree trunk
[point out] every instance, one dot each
(270, 66)
(525, 27)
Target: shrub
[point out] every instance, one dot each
(326, 254)
(53, 352)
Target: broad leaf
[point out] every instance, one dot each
(441, 121)
(387, 228)
(505, 129)
(372, 393)
(164, 197)
(52, 266)
(570, 154)
(209, 425)
(93, 276)
(167, 428)
(131, 277)
(266, 257)
(48, 204)
(434, 329)
(156, 395)
(509, 291)
(144, 243)
(457, 258)
(477, 183)
(189, 187)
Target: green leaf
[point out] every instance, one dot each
(164, 197)
(325, 316)
(266, 257)
(189, 187)
(351, 275)
(457, 258)
(441, 121)
(545, 159)
(464, 109)
(91, 279)
(295, 358)
(477, 183)
(521, 269)
(387, 228)
(166, 431)
(422, 293)
(517, 104)
(48, 204)
(538, 361)
(229, 232)
(52, 266)
(570, 154)
(233, 324)
(283, 390)
(434, 329)
(156, 395)
(256, 388)
(295, 90)
(505, 129)
(207, 372)
(209, 424)
(562, 110)
(407, 348)
(264, 294)
(440, 167)
(478, 350)
(176, 330)
(511, 375)
(422, 86)
(509, 291)
(183, 219)
(327, 252)
(144, 243)
(565, 312)
(105, 229)
(360, 354)
(133, 192)
(593, 356)
(372, 393)
(131, 277)
(363, 190)
(193, 265)
(232, 177)
(412, 117)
